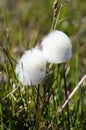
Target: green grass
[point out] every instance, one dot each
(22, 25)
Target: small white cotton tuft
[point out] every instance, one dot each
(31, 68)
(57, 47)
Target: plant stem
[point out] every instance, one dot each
(65, 87)
(38, 114)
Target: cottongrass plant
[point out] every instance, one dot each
(57, 49)
(31, 68)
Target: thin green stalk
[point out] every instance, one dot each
(1, 118)
(76, 113)
(67, 107)
(38, 109)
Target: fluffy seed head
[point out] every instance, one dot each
(57, 47)
(31, 68)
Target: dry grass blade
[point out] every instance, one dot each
(11, 93)
(57, 9)
(55, 6)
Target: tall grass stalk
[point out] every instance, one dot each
(1, 118)
(57, 10)
(66, 95)
(38, 109)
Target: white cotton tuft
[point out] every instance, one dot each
(31, 68)
(57, 47)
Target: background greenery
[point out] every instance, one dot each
(23, 23)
